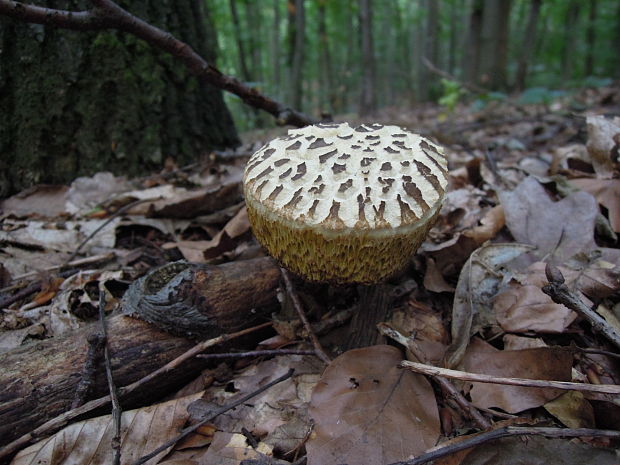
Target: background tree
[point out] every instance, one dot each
(368, 102)
(74, 103)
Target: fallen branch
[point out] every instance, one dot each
(482, 438)
(561, 294)
(446, 385)
(211, 417)
(106, 14)
(60, 421)
(479, 378)
(300, 311)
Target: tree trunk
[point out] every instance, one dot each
(297, 26)
(527, 45)
(39, 380)
(243, 62)
(325, 65)
(494, 44)
(431, 47)
(471, 57)
(591, 38)
(368, 103)
(275, 51)
(75, 103)
(568, 43)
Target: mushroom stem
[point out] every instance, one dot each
(373, 307)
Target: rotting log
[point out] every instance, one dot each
(38, 381)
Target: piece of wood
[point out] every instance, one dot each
(38, 381)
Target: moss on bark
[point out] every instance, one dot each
(74, 103)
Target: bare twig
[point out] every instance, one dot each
(29, 290)
(117, 411)
(300, 311)
(446, 385)
(561, 294)
(214, 415)
(259, 353)
(117, 213)
(482, 438)
(57, 423)
(467, 85)
(108, 15)
(478, 378)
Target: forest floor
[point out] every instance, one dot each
(534, 195)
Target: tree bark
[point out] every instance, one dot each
(568, 43)
(275, 51)
(368, 103)
(527, 44)
(243, 62)
(494, 44)
(39, 380)
(297, 28)
(77, 103)
(431, 48)
(591, 38)
(471, 57)
(325, 62)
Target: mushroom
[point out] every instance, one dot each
(340, 204)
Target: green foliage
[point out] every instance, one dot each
(451, 94)
(540, 95)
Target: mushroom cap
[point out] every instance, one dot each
(336, 203)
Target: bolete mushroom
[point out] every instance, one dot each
(341, 204)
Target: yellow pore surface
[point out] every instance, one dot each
(354, 257)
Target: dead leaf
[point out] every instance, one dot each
(607, 193)
(231, 449)
(366, 410)
(572, 409)
(43, 200)
(601, 132)
(490, 224)
(479, 282)
(89, 442)
(86, 193)
(559, 230)
(433, 280)
(536, 450)
(545, 363)
(225, 240)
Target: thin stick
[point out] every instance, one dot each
(55, 424)
(561, 294)
(218, 412)
(117, 213)
(471, 411)
(300, 311)
(106, 14)
(258, 353)
(441, 451)
(117, 411)
(478, 378)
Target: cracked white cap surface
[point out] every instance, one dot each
(337, 177)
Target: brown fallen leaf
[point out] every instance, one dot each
(366, 410)
(231, 449)
(607, 193)
(480, 280)
(601, 132)
(572, 409)
(89, 441)
(538, 451)
(559, 230)
(545, 363)
(225, 240)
